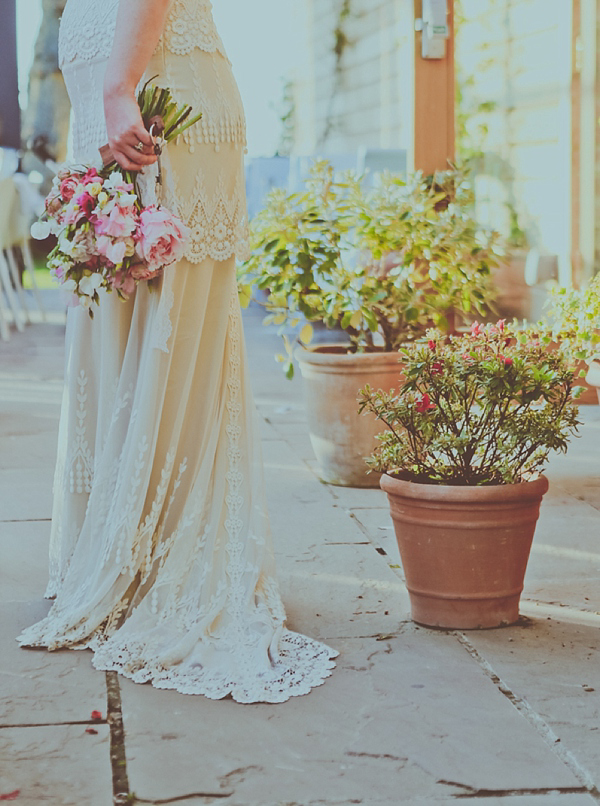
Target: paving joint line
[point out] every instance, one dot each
(539, 724)
(93, 722)
(25, 520)
(118, 760)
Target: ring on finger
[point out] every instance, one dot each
(139, 146)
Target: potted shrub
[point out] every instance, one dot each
(468, 435)
(376, 267)
(573, 318)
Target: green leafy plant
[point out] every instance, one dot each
(382, 264)
(573, 321)
(481, 408)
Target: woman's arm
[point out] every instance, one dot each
(140, 24)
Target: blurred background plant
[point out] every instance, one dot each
(573, 320)
(381, 264)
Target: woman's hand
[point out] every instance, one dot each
(126, 130)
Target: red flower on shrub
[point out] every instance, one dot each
(432, 344)
(424, 404)
(437, 368)
(476, 329)
(507, 360)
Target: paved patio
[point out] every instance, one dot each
(410, 716)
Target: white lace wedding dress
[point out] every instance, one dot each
(161, 559)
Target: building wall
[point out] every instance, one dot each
(362, 97)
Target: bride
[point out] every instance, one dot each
(161, 560)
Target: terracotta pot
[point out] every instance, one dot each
(593, 377)
(342, 438)
(464, 550)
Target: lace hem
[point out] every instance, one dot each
(301, 665)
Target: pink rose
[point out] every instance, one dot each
(53, 204)
(68, 187)
(161, 237)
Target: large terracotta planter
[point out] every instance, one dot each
(593, 377)
(341, 438)
(464, 550)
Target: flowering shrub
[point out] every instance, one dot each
(481, 408)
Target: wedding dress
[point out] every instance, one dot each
(161, 559)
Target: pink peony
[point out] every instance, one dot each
(119, 223)
(161, 237)
(113, 250)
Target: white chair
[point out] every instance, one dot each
(8, 193)
(14, 235)
(29, 205)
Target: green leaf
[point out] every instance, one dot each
(306, 334)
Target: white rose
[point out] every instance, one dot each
(40, 230)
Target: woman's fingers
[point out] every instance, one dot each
(138, 134)
(131, 159)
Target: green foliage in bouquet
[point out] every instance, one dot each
(573, 321)
(383, 264)
(475, 409)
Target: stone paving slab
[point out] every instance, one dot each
(346, 592)
(567, 658)
(28, 451)
(24, 560)
(26, 493)
(41, 687)
(408, 715)
(60, 765)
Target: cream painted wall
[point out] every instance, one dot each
(518, 55)
(369, 103)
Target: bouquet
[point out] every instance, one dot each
(106, 238)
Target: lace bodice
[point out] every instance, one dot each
(190, 60)
(88, 27)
